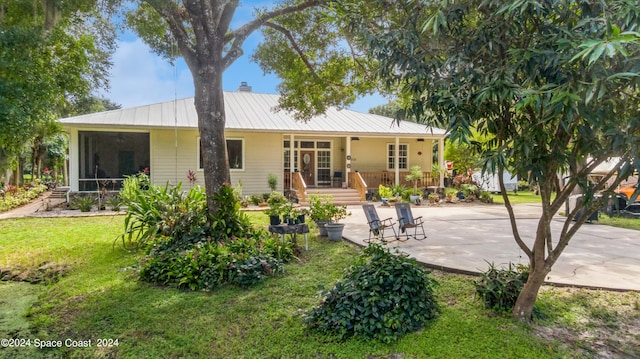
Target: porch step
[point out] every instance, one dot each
(341, 196)
(59, 192)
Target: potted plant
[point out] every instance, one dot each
(272, 181)
(334, 228)
(319, 212)
(300, 214)
(274, 215)
(450, 194)
(276, 200)
(323, 211)
(385, 194)
(397, 190)
(292, 214)
(415, 175)
(433, 198)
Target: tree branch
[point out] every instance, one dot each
(295, 47)
(238, 36)
(172, 14)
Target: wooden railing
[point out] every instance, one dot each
(286, 181)
(358, 183)
(387, 178)
(299, 186)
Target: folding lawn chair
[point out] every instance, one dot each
(406, 221)
(377, 226)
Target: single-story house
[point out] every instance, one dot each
(342, 148)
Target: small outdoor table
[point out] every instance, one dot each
(291, 229)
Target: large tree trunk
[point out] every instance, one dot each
(209, 102)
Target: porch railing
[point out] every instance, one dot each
(358, 183)
(299, 186)
(374, 179)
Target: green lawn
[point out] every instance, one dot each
(100, 298)
(530, 197)
(517, 197)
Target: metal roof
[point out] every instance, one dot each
(249, 111)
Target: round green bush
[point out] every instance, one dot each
(383, 297)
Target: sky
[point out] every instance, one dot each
(140, 77)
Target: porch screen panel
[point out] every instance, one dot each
(324, 167)
(106, 158)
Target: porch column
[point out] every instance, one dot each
(348, 160)
(441, 164)
(292, 150)
(74, 159)
(396, 160)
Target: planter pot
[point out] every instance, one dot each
(334, 231)
(300, 219)
(274, 220)
(288, 220)
(321, 228)
(414, 199)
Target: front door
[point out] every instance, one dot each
(308, 167)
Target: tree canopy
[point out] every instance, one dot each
(553, 84)
(51, 53)
(204, 35)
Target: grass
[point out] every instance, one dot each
(100, 298)
(517, 197)
(530, 197)
(629, 223)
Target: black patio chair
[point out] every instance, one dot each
(376, 225)
(406, 221)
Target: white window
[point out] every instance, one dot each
(403, 156)
(235, 151)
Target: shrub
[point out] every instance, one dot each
(486, 197)
(256, 199)
(131, 187)
(254, 270)
(382, 297)
(208, 265)
(229, 221)
(203, 267)
(83, 203)
(276, 199)
(184, 252)
(397, 189)
(499, 288)
(115, 203)
(165, 211)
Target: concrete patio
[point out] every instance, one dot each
(466, 238)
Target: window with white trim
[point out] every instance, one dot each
(403, 156)
(235, 151)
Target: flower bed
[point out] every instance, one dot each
(12, 196)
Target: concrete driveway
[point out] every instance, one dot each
(464, 238)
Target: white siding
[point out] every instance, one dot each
(370, 154)
(263, 154)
